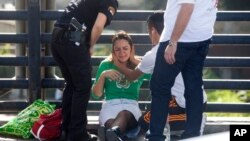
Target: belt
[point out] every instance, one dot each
(78, 37)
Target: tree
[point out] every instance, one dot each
(155, 4)
(235, 4)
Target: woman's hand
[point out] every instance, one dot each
(112, 74)
(91, 50)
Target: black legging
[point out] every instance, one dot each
(125, 120)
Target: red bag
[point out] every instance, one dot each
(48, 127)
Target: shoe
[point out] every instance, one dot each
(203, 123)
(113, 134)
(186, 135)
(101, 133)
(63, 136)
(92, 137)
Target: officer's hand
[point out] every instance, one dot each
(91, 51)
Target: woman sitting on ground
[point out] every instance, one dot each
(120, 111)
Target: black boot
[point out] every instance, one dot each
(81, 137)
(92, 137)
(63, 136)
(102, 133)
(113, 134)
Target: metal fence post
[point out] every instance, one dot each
(20, 71)
(50, 5)
(34, 50)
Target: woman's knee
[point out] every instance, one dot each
(109, 123)
(124, 113)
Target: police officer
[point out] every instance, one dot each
(71, 48)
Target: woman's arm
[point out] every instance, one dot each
(98, 87)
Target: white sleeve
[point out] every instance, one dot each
(178, 90)
(204, 95)
(185, 1)
(147, 64)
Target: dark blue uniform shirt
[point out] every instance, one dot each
(86, 11)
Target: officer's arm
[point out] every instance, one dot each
(97, 28)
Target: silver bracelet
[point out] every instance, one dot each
(171, 43)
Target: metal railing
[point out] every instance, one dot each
(34, 61)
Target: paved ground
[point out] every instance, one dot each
(213, 125)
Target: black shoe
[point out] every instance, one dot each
(113, 134)
(63, 136)
(92, 137)
(101, 133)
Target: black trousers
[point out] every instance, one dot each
(74, 63)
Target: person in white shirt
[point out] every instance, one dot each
(184, 44)
(177, 113)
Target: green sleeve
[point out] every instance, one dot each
(102, 67)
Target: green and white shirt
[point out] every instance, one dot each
(122, 88)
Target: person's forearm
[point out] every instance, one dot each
(182, 20)
(97, 28)
(95, 34)
(130, 74)
(97, 88)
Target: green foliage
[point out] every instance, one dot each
(244, 95)
(5, 49)
(208, 73)
(102, 50)
(228, 114)
(229, 96)
(7, 72)
(235, 4)
(223, 96)
(154, 5)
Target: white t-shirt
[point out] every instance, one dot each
(200, 26)
(147, 66)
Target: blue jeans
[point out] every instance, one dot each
(190, 59)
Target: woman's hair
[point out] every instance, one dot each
(122, 35)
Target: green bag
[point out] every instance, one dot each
(21, 125)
